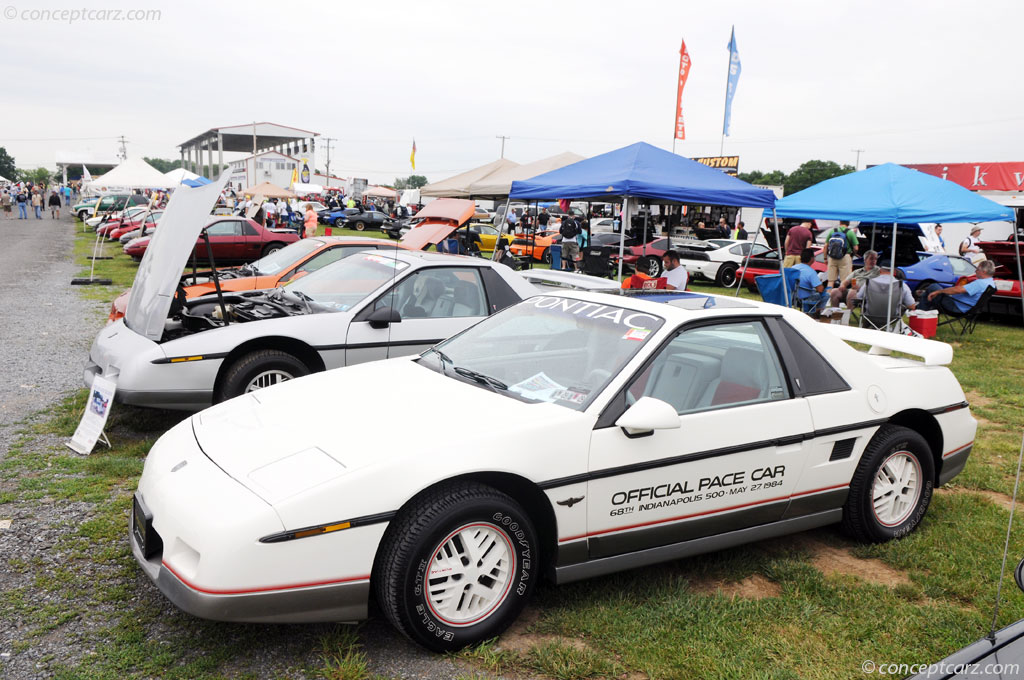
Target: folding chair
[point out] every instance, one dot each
(597, 261)
(967, 320)
(882, 306)
(770, 287)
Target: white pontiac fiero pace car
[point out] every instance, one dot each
(568, 436)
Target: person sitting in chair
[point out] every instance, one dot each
(849, 290)
(960, 298)
(883, 281)
(675, 273)
(810, 289)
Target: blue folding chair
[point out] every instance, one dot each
(770, 287)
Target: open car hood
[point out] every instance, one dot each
(160, 270)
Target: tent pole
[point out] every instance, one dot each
(501, 230)
(1020, 276)
(622, 233)
(892, 273)
(746, 259)
(778, 244)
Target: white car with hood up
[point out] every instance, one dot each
(169, 352)
(643, 432)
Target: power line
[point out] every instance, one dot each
(502, 138)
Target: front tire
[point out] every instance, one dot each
(260, 369)
(545, 256)
(457, 566)
(359, 226)
(891, 488)
(271, 248)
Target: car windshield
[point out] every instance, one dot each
(548, 349)
(343, 284)
(286, 257)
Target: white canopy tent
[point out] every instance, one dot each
(497, 184)
(178, 175)
(133, 173)
(305, 189)
(458, 186)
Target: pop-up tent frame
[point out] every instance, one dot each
(893, 194)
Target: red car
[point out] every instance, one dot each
(768, 263)
(234, 240)
(132, 225)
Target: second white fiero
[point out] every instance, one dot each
(568, 436)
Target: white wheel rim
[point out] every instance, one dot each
(896, 489)
(266, 379)
(469, 574)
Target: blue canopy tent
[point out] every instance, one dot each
(197, 182)
(891, 194)
(641, 171)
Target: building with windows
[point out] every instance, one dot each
(269, 148)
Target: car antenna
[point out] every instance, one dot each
(216, 279)
(1006, 547)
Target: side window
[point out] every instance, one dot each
(962, 267)
(712, 367)
(660, 244)
(438, 293)
(225, 228)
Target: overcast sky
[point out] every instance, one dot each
(905, 80)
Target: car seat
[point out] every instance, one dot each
(743, 378)
(466, 299)
(682, 379)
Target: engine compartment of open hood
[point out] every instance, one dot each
(207, 312)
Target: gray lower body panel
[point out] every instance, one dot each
(178, 400)
(339, 602)
(954, 465)
(697, 546)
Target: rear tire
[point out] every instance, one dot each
(891, 488)
(463, 538)
(726, 276)
(258, 369)
(545, 256)
(650, 265)
(359, 226)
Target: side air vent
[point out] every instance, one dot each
(842, 449)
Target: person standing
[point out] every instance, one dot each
(67, 195)
(739, 233)
(5, 202)
(37, 203)
(970, 247)
(542, 220)
(310, 221)
(840, 245)
(22, 201)
(270, 210)
(570, 246)
(797, 238)
(723, 228)
(942, 241)
(54, 204)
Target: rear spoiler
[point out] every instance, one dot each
(931, 352)
(554, 277)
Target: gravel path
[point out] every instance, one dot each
(45, 327)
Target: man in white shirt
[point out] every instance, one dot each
(270, 210)
(969, 247)
(675, 274)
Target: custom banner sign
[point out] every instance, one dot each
(730, 165)
(734, 78)
(684, 73)
(978, 176)
(305, 171)
(90, 428)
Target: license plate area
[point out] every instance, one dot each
(145, 535)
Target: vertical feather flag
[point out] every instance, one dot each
(684, 72)
(734, 78)
(412, 156)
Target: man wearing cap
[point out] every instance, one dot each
(970, 247)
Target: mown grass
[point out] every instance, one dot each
(651, 621)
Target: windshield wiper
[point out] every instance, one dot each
(444, 359)
(493, 383)
(305, 299)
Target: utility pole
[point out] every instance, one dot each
(329, 140)
(124, 152)
(856, 164)
(502, 138)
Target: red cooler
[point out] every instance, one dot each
(925, 323)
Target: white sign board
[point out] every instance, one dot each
(97, 408)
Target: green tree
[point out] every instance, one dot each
(8, 169)
(162, 164)
(775, 177)
(812, 172)
(410, 182)
(37, 176)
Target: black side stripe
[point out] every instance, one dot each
(724, 451)
(377, 345)
(365, 520)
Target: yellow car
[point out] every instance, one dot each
(488, 235)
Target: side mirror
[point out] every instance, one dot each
(647, 415)
(1018, 575)
(383, 317)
